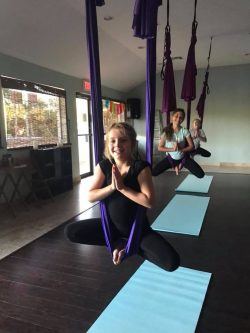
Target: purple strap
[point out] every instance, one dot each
(105, 227)
(205, 90)
(145, 26)
(188, 92)
(167, 74)
(145, 18)
(150, 97)
(145, 23)
(95, 77)
(133, 242)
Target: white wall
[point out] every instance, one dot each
(227, 112)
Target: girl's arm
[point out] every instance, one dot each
(190, 145)
(161, 146)
(96, 191)
(202, 136)
(146, 196)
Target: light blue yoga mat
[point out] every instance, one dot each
(194, 184)
(184, 214)
(156, 301)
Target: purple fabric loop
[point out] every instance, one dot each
(133, 242)
(106, 227)
(188, 92)
(150, 97)
(169, 96)
(95, 78)
(144, 24)
(201, 103)
(205, 90)
(145, 18)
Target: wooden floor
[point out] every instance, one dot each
(51, 285)
(39, 217)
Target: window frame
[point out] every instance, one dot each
(7, 82)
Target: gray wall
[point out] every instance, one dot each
(227, 113)
(19, 69)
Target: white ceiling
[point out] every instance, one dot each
(51, 33)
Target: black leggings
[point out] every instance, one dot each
(187, 162)
(153, 246)
(201, 151)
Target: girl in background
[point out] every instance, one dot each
(177, 143)
(198, 135)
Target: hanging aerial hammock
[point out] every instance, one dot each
(205, 90)
(95, 77)
(167, 74)
(96, 102)
(145, 18)
(188, 92)
(145, 26)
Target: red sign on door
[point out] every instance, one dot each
(86, 85)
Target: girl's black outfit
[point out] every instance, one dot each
(121, 212)
(186, 162)
(200, 151)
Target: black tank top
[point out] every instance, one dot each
(120, 209)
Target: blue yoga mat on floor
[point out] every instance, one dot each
(156, 301)
(194, 184)
(184, 214)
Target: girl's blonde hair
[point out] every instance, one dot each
(125, 129)
(197, 122)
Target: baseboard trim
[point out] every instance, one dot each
(237, 165)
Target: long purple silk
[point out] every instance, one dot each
(189, 85)
(150, 97)
(205, 90)
(201, 103)
(146, 17)
(95, 77)
(188, 92)
(145, 26)
(169, 96)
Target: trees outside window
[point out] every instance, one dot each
(34, 115)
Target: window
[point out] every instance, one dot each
(34, 114)
(113, 111)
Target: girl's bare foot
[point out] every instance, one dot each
(176, 170)
(115, 256)
(119, 252)
(118, 256)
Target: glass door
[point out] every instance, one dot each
(84, 134)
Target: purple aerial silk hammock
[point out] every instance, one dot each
(150, 97)
(205, 90)
(96, 100)
(95, 77)
(133, 241)
(188, 92)
(145, 18)
(167, 74)
(145, 26)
